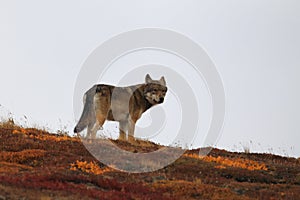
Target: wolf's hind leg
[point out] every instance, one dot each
(97, 126)
(102, 105)
(101, 116)
(90, 131)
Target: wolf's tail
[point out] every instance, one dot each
(88, 113)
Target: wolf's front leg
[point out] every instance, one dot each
(123, 127)
(131, 127)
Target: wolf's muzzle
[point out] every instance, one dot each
(161, 100)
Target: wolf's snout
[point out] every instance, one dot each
(161, 100)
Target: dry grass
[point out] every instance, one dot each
(8, 124)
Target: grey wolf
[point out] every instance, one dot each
(122, 104)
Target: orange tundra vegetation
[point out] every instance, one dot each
(21, 156)
(235, 162)
(34, 133)
(35, 163)
(88, 167)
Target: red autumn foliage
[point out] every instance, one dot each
(35, 164)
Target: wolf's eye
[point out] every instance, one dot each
(154, 90)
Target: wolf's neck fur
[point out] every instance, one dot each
(138, 91)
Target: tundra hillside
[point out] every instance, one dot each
(35, 164)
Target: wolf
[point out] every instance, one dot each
(122, 104)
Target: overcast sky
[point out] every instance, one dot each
(254, 44)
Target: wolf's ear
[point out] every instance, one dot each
(162, 81)
(148, 79)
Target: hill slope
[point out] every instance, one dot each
(35, 164)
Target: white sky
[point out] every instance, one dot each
(255, 45)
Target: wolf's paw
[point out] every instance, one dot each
(131, 139)
(122, 137)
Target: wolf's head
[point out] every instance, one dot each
(155, 90)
